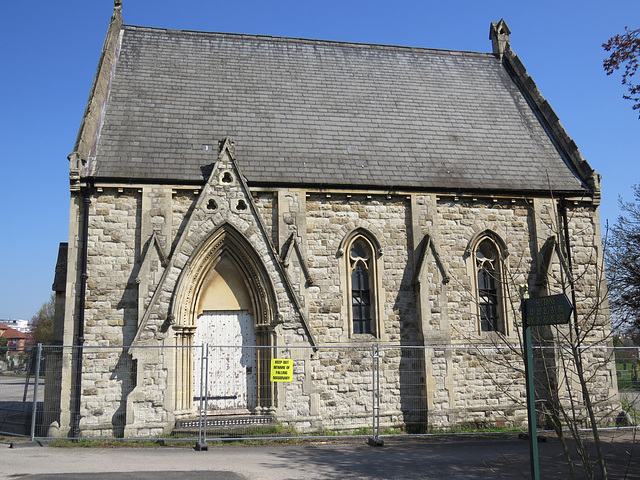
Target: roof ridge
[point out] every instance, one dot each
(306, 40)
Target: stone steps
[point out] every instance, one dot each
(226, 424)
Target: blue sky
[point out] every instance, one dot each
(50, 51)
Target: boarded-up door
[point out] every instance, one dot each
(232, 380)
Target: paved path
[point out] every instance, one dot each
(16, 403)
(12, 388)
(401, 458)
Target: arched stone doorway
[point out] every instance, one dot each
(224, 299)
(225, 326)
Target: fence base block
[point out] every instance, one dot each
(375, 442)
(28, 443)
(201, 447)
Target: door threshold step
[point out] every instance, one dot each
(225, 423)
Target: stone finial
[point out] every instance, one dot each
(227, 144)
(594, 183)
(117, 9)
(75, 169)
(499, 36)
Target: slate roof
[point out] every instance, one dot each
(307, 112)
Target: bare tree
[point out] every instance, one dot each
(574, 361)
(623, 263)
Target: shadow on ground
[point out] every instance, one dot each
(460, 458)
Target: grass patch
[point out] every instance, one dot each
(89, 443)
(414, 430)
(150, 443)
(185, 440)
(272, 430)
(467, 429)
(631, 409)
(350, 433)
(279, 434)
(625, 375)
(11, 438)
(251, 436)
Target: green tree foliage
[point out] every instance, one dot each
(623, 263)
(42, 323)
(624, 52)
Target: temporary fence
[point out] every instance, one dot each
(207, 393)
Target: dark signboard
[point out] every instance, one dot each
(551, 310)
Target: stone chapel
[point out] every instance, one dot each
(310, 194)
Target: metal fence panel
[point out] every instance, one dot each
(628, 378)
(217, 392)
(21, 390)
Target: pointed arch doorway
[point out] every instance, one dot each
(224, 300)
(229, 381)
(226, 327)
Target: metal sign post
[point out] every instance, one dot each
(531, 394)
(551, 310)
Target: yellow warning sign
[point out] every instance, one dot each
(281, 369)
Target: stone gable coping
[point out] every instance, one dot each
(185, 246)
(564, 142)
(87, 139)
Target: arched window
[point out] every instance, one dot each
(487, 262)
(362, 289)
(361, 272)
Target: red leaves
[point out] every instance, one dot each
(624, 53)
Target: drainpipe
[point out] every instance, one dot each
(567, 245)
(86, 201)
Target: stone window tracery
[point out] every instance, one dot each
(488, 277)
(488, 267)
(362, 281)
(361, 269)
(361, 287)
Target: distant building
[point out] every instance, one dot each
(16, 339)
(20, 325)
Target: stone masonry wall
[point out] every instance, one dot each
(111, 309)
(329, 221)
(439, 387)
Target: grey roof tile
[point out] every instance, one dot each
(297, 108)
